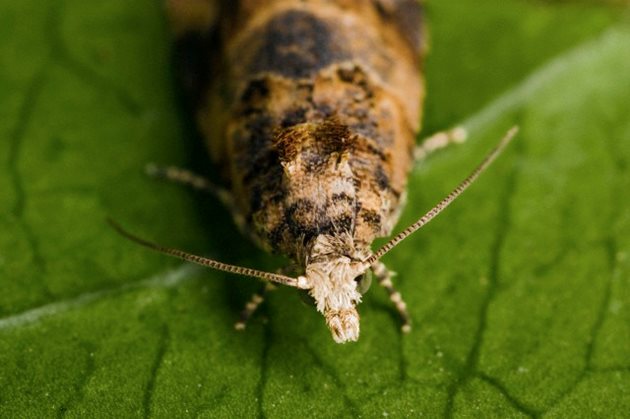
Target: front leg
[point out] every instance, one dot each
(384, 277)
(254, 302)
(439, 141)
(192, 180)
(187, 178)
(257, 299)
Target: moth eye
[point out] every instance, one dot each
(363, 282)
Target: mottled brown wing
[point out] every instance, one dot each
(299, 67)
(406, 16)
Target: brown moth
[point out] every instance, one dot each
(311, 109)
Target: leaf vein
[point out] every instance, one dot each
(83, 380)
(610, 247)
(162, 346)
(503, 225)
(350, 404)
(501, 388)
(61, 56)
(264, 364)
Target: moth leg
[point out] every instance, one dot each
(439, 141)
(199, 183)
(254, 302)
(187, 178)
(384, 277)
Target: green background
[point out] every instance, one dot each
(519, 292)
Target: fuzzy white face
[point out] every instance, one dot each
(333, 284)
(334, 289)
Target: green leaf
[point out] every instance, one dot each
(519, 292)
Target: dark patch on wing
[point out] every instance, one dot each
(342, 197)
(296, 44)
(256, 158)
(299, 209)
(342, 223)
(381, 178)
(365, 125)
(333, 136)
(359, 114)
(346, 74)
(276, 237)
(303, 220)
(316, 142)
(323, 110)
(372, 218)
(356, 76)
(256, 89)
(259, 129)
(293, 117)
(288, 142)
(254, 97)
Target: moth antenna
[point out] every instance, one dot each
(490, 157)
(299, 282)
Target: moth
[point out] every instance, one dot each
(311, 110)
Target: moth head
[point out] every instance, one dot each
(336, 276)
(335, 289)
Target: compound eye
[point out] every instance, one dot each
(363, 282)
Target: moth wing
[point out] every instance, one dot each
(406, 16)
